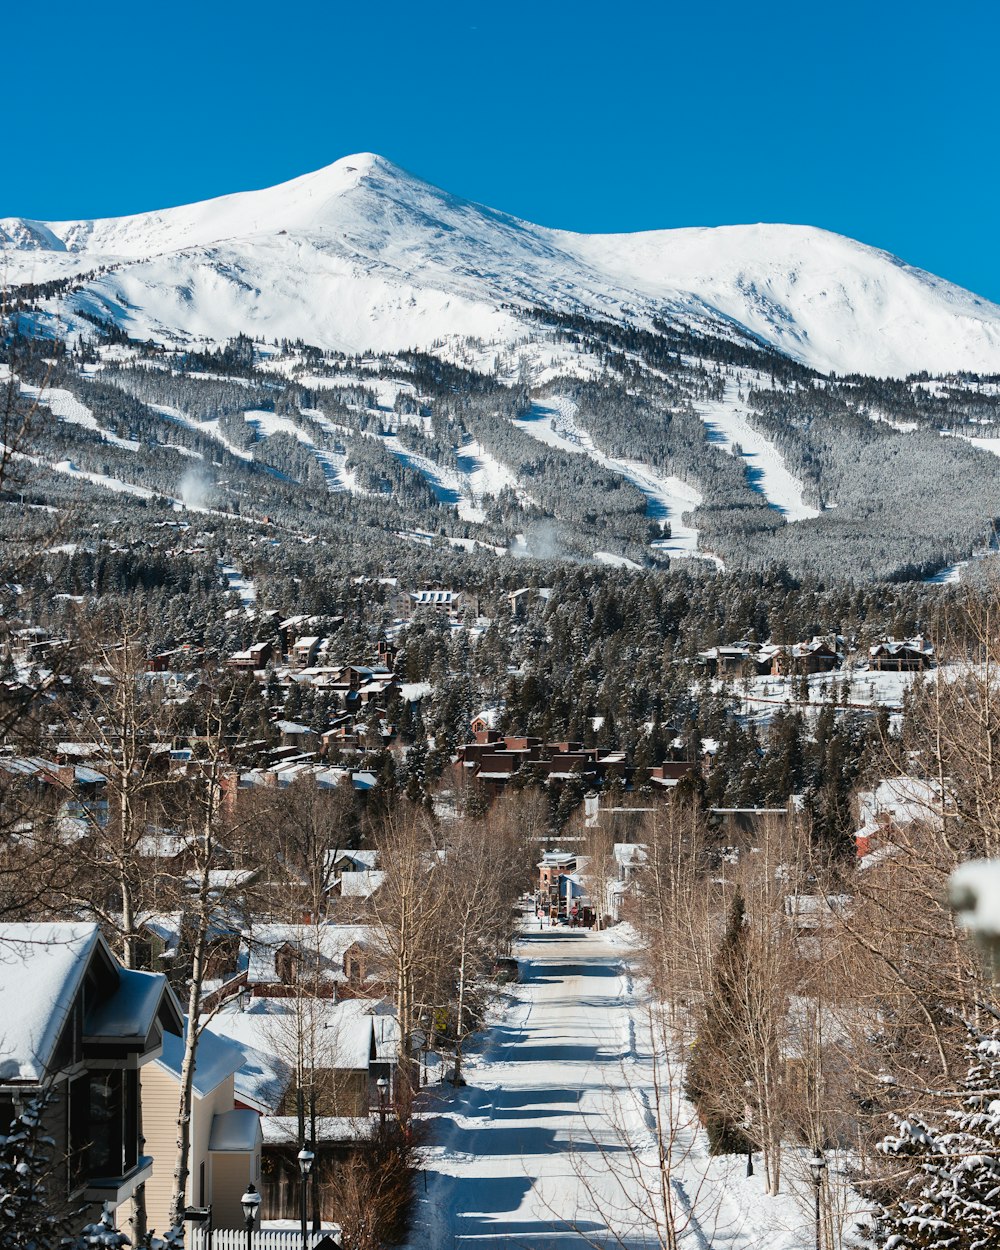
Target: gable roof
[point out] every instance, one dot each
(42, 970)
(215, 1059)
(42, 967)
(323, 944)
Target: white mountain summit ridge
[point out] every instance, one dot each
(361, 256)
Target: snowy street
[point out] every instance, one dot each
(540, 1149)
(504, 1152)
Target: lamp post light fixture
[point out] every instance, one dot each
(817, 1165)
(306, 1159)
(250, 1202)
(382, 1085)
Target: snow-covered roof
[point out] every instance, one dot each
(414, 691)
(262, 1079)
(901, 801)
(629, 854)
(291, 727)
(131, 1010)
(894, 646)
(360, 884)
(88, 776)
(237, 1131)
(215, 1059)
(41, 969)
(362, 860)
(326, 944)
(343, 1032)
(434, 596)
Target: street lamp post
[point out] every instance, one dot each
(817, 1165)
(382, 1085)
(305, 1158)
(250, 1203)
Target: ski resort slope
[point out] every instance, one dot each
(727, 425)
(361, 256)
(540, 1148)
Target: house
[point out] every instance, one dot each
(296, 735)
(303, 653)
(629, 859)
(731, 662)
(895, 803)
(561, 891)
(354, 861)
(226, 1140)
(330, 960)
(76, 1029)
(352, 1044)
(911, 655)
(449, 602)
(163, 945)
(521, 599)
(821, 654)
(492, 760)
(255, 657)
(811, 914)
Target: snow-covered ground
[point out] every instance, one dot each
(727, 425)
(213, 429)
(240, 585)
(760, 699)
(537, 1150)
(668, 498)
(65, 406)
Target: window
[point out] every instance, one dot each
(107, 1125)
(103, 1129)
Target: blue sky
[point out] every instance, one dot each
(879, 120)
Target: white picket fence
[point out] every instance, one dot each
(260, 1239)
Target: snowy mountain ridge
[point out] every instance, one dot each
(363, 256)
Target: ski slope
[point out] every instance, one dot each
(65, 406)
(668, 498)
(726, 424)
(537, 1151)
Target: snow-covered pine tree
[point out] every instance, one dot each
(29, 1219)
(950, 1193)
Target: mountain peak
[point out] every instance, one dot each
(360, 253)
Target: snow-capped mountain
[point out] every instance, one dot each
(361, 255)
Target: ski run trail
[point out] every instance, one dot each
(552, 1143)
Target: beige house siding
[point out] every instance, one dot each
(160, 1094)
(159, 1127)
(231, 1173)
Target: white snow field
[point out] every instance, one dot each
(668, 498)
(726, 424)
(537, 1151)
(364, 256)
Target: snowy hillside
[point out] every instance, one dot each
(363, 256)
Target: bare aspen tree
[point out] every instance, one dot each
(411, 913)
(484, 869)
(211, 834)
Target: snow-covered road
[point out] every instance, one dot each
(506, 1154)
(540, 1149)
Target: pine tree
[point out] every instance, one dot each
(28, 1217)
(711, 1050)
(951, 1198)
